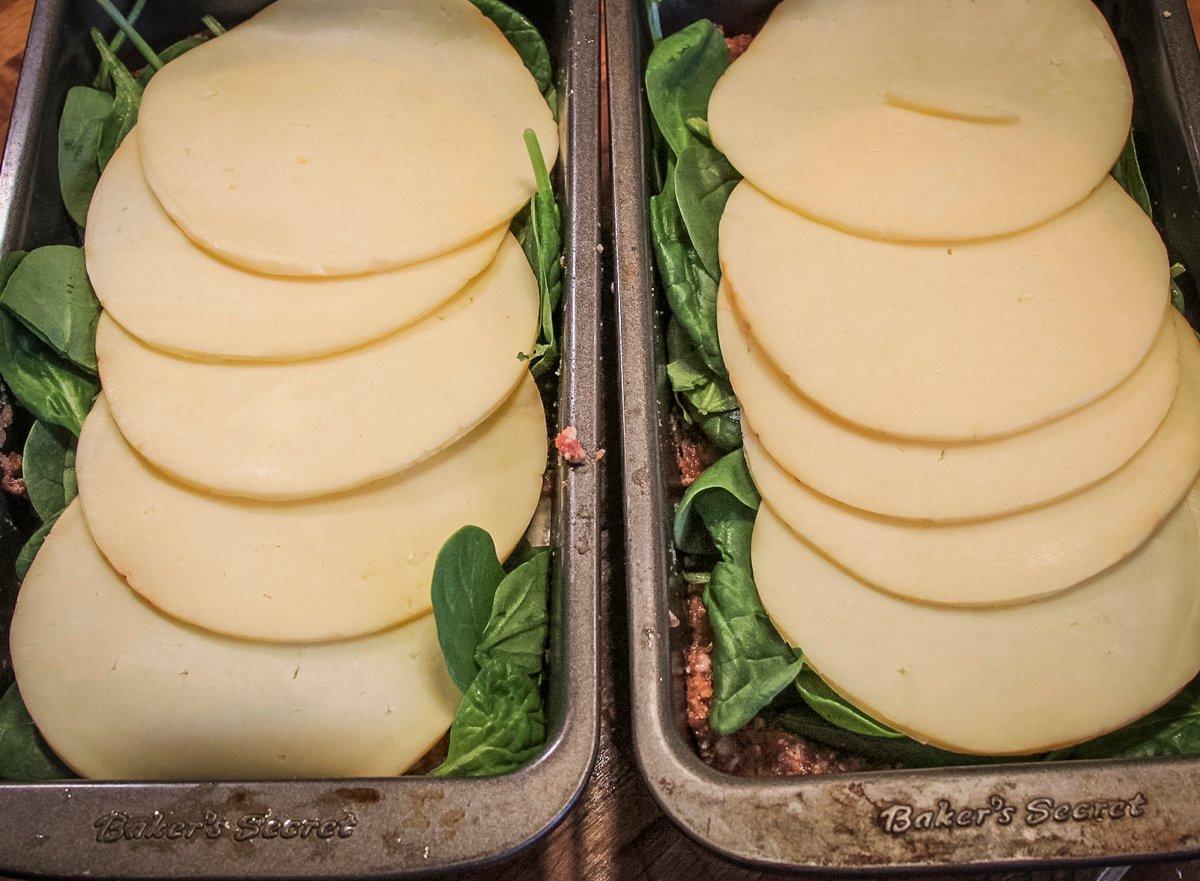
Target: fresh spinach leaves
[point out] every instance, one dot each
(31, 547)
(50, 294)
(1128, 173)
(680, 76)
(707, 400)
(704, 178)
(23, 754)
(499, 726)
(751, 662)
(724, 500)
(541, 240)
(525, 38)
(126, 102)
(465, 578)
(187, 44)
(45, 384)
(492, 628)
(79, 129)
(833, 708)
(1171, 730)
(48, 466)
(516, 629)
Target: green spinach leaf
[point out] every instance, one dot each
(31, 547)
(103, 79)
(46, 385)
(680, 76)
(707, 399)
(751, 662)
(499, 725)
(525, 38)
(1128, 173)
(108, 56)
(214, 27)
(690, 291)
(516, 630)
(24, 755)
(187, 44)
(50, 294)
(541, 240)
(833, 708)
(725, 500)
(128, 99)
(1171, 730)
(804, 722)
(79, 129)
(465, 577)
(48, 466)
(704, 178)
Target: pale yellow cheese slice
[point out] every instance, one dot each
(926, 119)
(945, 482)
(121, 691)
(1007, 559)
(949, 342)
(314, 570)
(307, 428)
(334, 138)
(177, 297)
(1009, 680)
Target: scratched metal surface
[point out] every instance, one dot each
(839, 823)
(367, 828)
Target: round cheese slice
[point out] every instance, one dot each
(307, 428)
(950, 342)
(998, 681)
(338, 138)
(1010, 559)
(314, 570)
(926, 119)
(179, 298)
(946, 482)
(121, 691)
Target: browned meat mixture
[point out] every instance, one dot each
(10, 474)
(757, 750)
(693, 451)
(568, 446)
(737, 45)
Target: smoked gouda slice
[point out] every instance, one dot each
(1009, 559)
(326, 138)
(926, 119)
(949, 342)
(177, 297)
(999, 681)
(121, 691)
(945, 482)
(320, 569)
(308, 428)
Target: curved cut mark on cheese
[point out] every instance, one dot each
(950, 109)
(309, 428)
(1011, 559)
(121, 691)
(316, 570)
(177, 297)
(999, 681)
(340, 138)
(949, 482)
(800, 113)
(951, 343)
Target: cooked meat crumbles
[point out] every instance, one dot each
(757, 750)
(10, 474)
(737, 45)
(568, 446)
(693, 451)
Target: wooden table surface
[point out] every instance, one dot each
(615, 832)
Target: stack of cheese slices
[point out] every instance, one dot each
(973, 416)
(312, 373)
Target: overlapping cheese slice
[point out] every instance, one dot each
(326, 138)
(307, 428)
(1009, 680)
(121, 691)
(926, 119)
(175, 296)
(950, 342)
(946, 482)
(1010, 559)
(328, 568)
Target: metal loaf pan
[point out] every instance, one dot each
(394, 826)
(839, 822)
